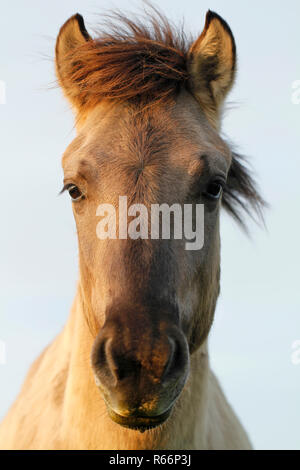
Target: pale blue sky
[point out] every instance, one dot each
(258, 314)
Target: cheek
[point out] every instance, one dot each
(199, 290)
(94, 288)
(98, 302)
(188, 303)
(197, 309)
(211, 223)
(86, 224)
(91, 254)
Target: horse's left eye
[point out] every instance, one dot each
(74, 192)
(214, 190)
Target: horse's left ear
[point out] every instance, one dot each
(212, 65)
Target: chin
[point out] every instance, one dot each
(138, 422)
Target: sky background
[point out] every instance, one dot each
(258, 314)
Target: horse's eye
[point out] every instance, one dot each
(214, 190)
(75, 192)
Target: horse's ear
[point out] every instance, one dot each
(71, 38)
(212, 64)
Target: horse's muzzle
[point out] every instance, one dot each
(140, 368)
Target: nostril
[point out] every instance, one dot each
(98, 354)
(118, 365)
(126, 367)
(169, 363)
(110, 361)
(176, 360)
(103, 362)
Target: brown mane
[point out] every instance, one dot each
(131, 60)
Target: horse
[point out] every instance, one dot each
(130, 369)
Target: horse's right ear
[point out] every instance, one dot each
(71, 38)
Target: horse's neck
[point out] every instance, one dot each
(85, 421)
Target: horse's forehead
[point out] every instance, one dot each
(130, 126)
(164, 133)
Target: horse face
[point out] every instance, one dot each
(149, 300)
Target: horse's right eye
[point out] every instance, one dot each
(75, 192)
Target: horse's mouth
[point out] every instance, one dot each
(138, 422)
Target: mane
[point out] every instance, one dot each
(240, 195)
(146, 62)
(132, 60)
